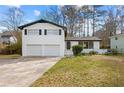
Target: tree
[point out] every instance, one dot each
(11, 19)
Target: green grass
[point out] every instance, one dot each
(14, 56)
(86, 71)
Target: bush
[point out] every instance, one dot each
(77, 50)
(93, 52)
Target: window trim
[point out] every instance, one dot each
(40, 32)
(45, 31)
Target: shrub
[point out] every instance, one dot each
(77, 50)
(93, 52)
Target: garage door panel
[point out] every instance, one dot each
(34, 50)
(52, 50)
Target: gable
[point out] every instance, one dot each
(42, 26)
(41, 21)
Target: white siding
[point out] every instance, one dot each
(119, 43)
(34, 50)
(96, 45)
(43, 39)
(52, 50)
(73, 43)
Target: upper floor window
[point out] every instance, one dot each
(53, 32)
(25, 31)
(45, 32)
(33, 32)
(40, 32)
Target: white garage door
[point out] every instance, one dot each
(34, 50)
(52, 50)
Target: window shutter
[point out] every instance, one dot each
(60, 32)
(45, 32)
(25, 31)
(40, 32)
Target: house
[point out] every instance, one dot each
(45, 38)
(88, 44)
(8, 37)
(117, 42)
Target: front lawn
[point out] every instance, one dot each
(14, 56)
(97, 70)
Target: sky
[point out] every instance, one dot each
(31, 12)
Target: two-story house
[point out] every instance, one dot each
(117, 42)
(45, 38)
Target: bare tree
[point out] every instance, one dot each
(11, 19)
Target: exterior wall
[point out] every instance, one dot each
(96, 45)
(119, 43)
(43, 39)
(73, 43)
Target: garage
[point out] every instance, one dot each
(51, 50)
(34, 50)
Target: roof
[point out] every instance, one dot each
(117, 35)
(9, 34)
(82, 39)
(40, 21)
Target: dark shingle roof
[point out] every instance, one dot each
(82, 38)
(40, 21)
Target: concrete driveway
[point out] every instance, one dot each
(22, 73)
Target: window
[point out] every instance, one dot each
(53, 32)
(116, 38)
(90, 44)
(80, 43)
(25, 31)
(45, 32)
(68, 44)
(85, 45)
(33, 31)
(40, 32)
(60, 32)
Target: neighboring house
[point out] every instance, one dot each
(7, 38)
(45, 38)
(117, 42)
